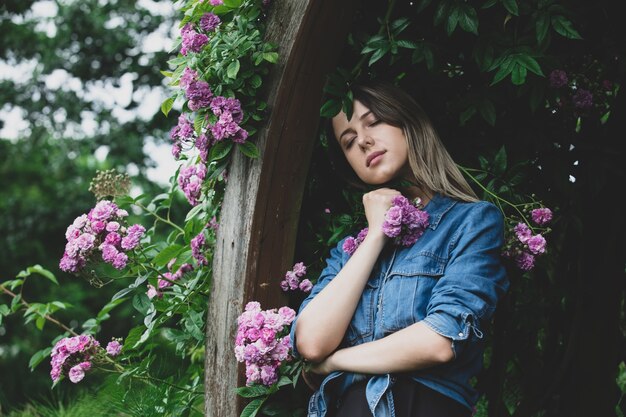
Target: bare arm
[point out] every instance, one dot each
(414, 347)
(323, 322)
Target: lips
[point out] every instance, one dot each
(371, 157)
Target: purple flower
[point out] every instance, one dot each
(152, 292)
(133, 237)
(558, 78)
(583, 99)
(209, 22)
(198, 244)
(114, 348)
(183, 130)
(525, 261)
(523, 232)
(202, 144)
(199, 95)
(305, 285)
(112, 227)
(103, 210)
(120, 261)
(607, 85)
(537, 244)
(76, 374)
(187, 78)
(541, 216)
(192, 40)
(216, 2)
(190, 181)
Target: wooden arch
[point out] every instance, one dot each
(261, 206)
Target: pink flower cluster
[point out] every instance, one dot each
(293, 280)
(523, 246)
(190, 181)
(351, 243)
(192, 41)
(198, 246)
(168, 278)
(263, 342)
(103, 230)
(405, 222)
(71, 357)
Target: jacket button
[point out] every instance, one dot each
(460, 334)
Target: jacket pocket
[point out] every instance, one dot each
(406, 292)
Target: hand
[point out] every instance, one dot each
(376, 204)
(314, 373)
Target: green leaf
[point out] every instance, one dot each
(271, 57)
(118, 295)
(488, 4)
(529, 63)
(500, 161)
(40, 322)
(453, 19)
(220, 150)
(518, 75)
(198, 124)
(249, 149)
(38, 357)
(167, 105)
(252, 408)
(331, 108)
(233, 69)
(441, 12)
(511, 6)
(467, 114)
(233, 4)
(38, 269)
(166, 73)
(542, 24)
(142, 303)
(256, 81)
(468, 20)
(194, 212)
(488, 111)
(167, 254)
(252, 391)
(564, 27)
(403, 43)
(505, 69)
(378, 54)
(133, 337)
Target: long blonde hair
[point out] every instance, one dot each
(431, 164)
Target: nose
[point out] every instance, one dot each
(365, 141)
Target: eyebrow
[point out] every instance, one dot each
(363, 116)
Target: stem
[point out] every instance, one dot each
(153, 379)
(381, 30)
(164, 220)
(46, 316)
(497, 197)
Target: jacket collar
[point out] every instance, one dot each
(437, 207)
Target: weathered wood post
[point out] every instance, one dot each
(261, 206)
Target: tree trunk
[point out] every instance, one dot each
(259, 216)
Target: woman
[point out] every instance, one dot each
(392, 330)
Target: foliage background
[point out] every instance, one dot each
(558, 338)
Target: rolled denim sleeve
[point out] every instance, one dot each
(474, 278)
(334, 263)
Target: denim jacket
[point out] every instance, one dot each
(450, 279)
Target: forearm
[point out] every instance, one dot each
(323, 322)
(412, 348)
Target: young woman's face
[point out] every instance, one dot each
(376, 151)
